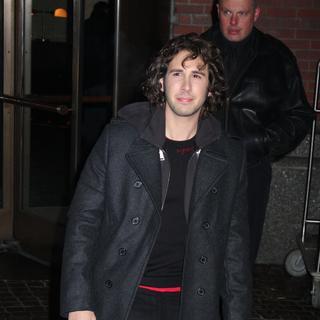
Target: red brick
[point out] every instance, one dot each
(308, 34)
(303, 65)
(307, 54)
(189, 9)
(207, 9)
(280, 23)
(308, 13)
(310, 85)
(315, 45)
(312, 23)
(313, 65)
(308, 75)
(201, 19)
(296, 22)
(184, 19)
(208, 2)
(297, 3)
(298, 44)
(310, 96)
(186, 29)
(279, 12)
(269, 3)
(284, 33)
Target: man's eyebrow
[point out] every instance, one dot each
(182, 69)
(175, 70)
(199, 72)
(227, 9)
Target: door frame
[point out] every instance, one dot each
(6, 213)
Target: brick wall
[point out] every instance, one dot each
(295, 22)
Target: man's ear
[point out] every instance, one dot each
(257, 12)
(218, 11)
(161, 84)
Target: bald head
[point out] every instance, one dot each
(254, 3)
(237, 18)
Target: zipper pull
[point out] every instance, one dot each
(161, 155)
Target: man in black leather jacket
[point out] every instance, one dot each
(266, 104)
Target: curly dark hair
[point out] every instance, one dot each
(197, 47)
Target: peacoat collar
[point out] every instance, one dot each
(149, 120)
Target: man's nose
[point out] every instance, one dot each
(186, 85)
(234, 20)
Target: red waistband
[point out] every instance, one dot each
(172, 289)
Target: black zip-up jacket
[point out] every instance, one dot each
(266, 104)
(115, 216)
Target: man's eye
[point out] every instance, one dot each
(197, 76)
(176, 74)
(227, 12)
(242, 14)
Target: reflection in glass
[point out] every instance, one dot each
(98, 61)
(1, 109)
(51, 49)
(47, 79)
(1, 150)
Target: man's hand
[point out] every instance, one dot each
(81, 315)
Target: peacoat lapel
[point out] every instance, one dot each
(143, 157)
(211, 167)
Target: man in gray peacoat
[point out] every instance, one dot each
(120, 215)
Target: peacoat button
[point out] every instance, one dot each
(206, 225)
(137, 184)
(135, 220)
(201, 292)
(122, 252)
(108, 283)
(214, 190)
(203, 259)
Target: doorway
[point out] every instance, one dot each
(52, 108)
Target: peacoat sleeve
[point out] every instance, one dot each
(82, 231)
(236, 302)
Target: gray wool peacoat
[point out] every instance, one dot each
(115, 217)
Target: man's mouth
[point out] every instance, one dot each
(233, 31)
(184, 99)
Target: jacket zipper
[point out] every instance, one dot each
(164, 158)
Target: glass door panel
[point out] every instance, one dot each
(1, 108)
(47, 78)
(144, 26)
(98, 70)
(44, 149)
(55, 65)
(6, 123)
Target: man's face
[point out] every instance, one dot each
(237, 18)
(185, 86)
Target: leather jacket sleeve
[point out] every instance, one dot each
(294, 119)
(268, 110)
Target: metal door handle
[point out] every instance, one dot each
(60, 109)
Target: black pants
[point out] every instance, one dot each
(259, 179)
(149, 305)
